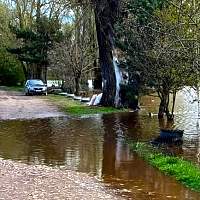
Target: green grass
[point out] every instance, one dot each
(184, 171)
(12, 88)
(73, 107)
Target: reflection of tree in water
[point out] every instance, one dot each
(116, 153)
(125, 169)
(109, 145)
(136, 126)
(166, 124)
(123, 124)
(117, 157)
(42, 144)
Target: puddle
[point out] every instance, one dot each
(95, 146)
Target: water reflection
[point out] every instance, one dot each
(125, 169)
(95, 146)
(186, 118)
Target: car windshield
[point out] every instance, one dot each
(36, 82)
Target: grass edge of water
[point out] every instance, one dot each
(182, 170)
(76, 108)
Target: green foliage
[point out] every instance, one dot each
(37, 40)
(144, 9)
(11, 72)
(68, 30)
(76, 108)
(129, 96)
(49, 30)
(159, 39)
(10, 68)
(134, 35)
(184, 171)
(6, 37)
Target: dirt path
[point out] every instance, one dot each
(23, 182)
(15, 105)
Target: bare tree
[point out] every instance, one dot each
(75, 57)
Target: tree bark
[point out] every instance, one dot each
(161, 109)
(105, 13)
(77, 85)
(97, 77)
(173, 102)
(164, 102)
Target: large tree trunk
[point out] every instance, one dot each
(38, 71)
(161, 108)
(97, 77)
(105, 13)
(77, 85)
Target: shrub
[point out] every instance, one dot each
(11, 72)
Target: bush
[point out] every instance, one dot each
(129, 96)
(11, 71)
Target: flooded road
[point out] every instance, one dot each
(95, 146)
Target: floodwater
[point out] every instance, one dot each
(96, 145)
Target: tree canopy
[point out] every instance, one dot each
(155, 41)
(11, 71)
(159, 40)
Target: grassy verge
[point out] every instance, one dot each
(184, 171)
(73, 107)
(13, 88)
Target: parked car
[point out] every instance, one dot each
(35, 86)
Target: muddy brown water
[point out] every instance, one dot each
(96, 145)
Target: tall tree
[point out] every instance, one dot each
(106, 12)
(35, 44)
(37, 25)
(10, 68)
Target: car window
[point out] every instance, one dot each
(36, 82)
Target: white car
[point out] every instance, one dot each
(35, 86)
